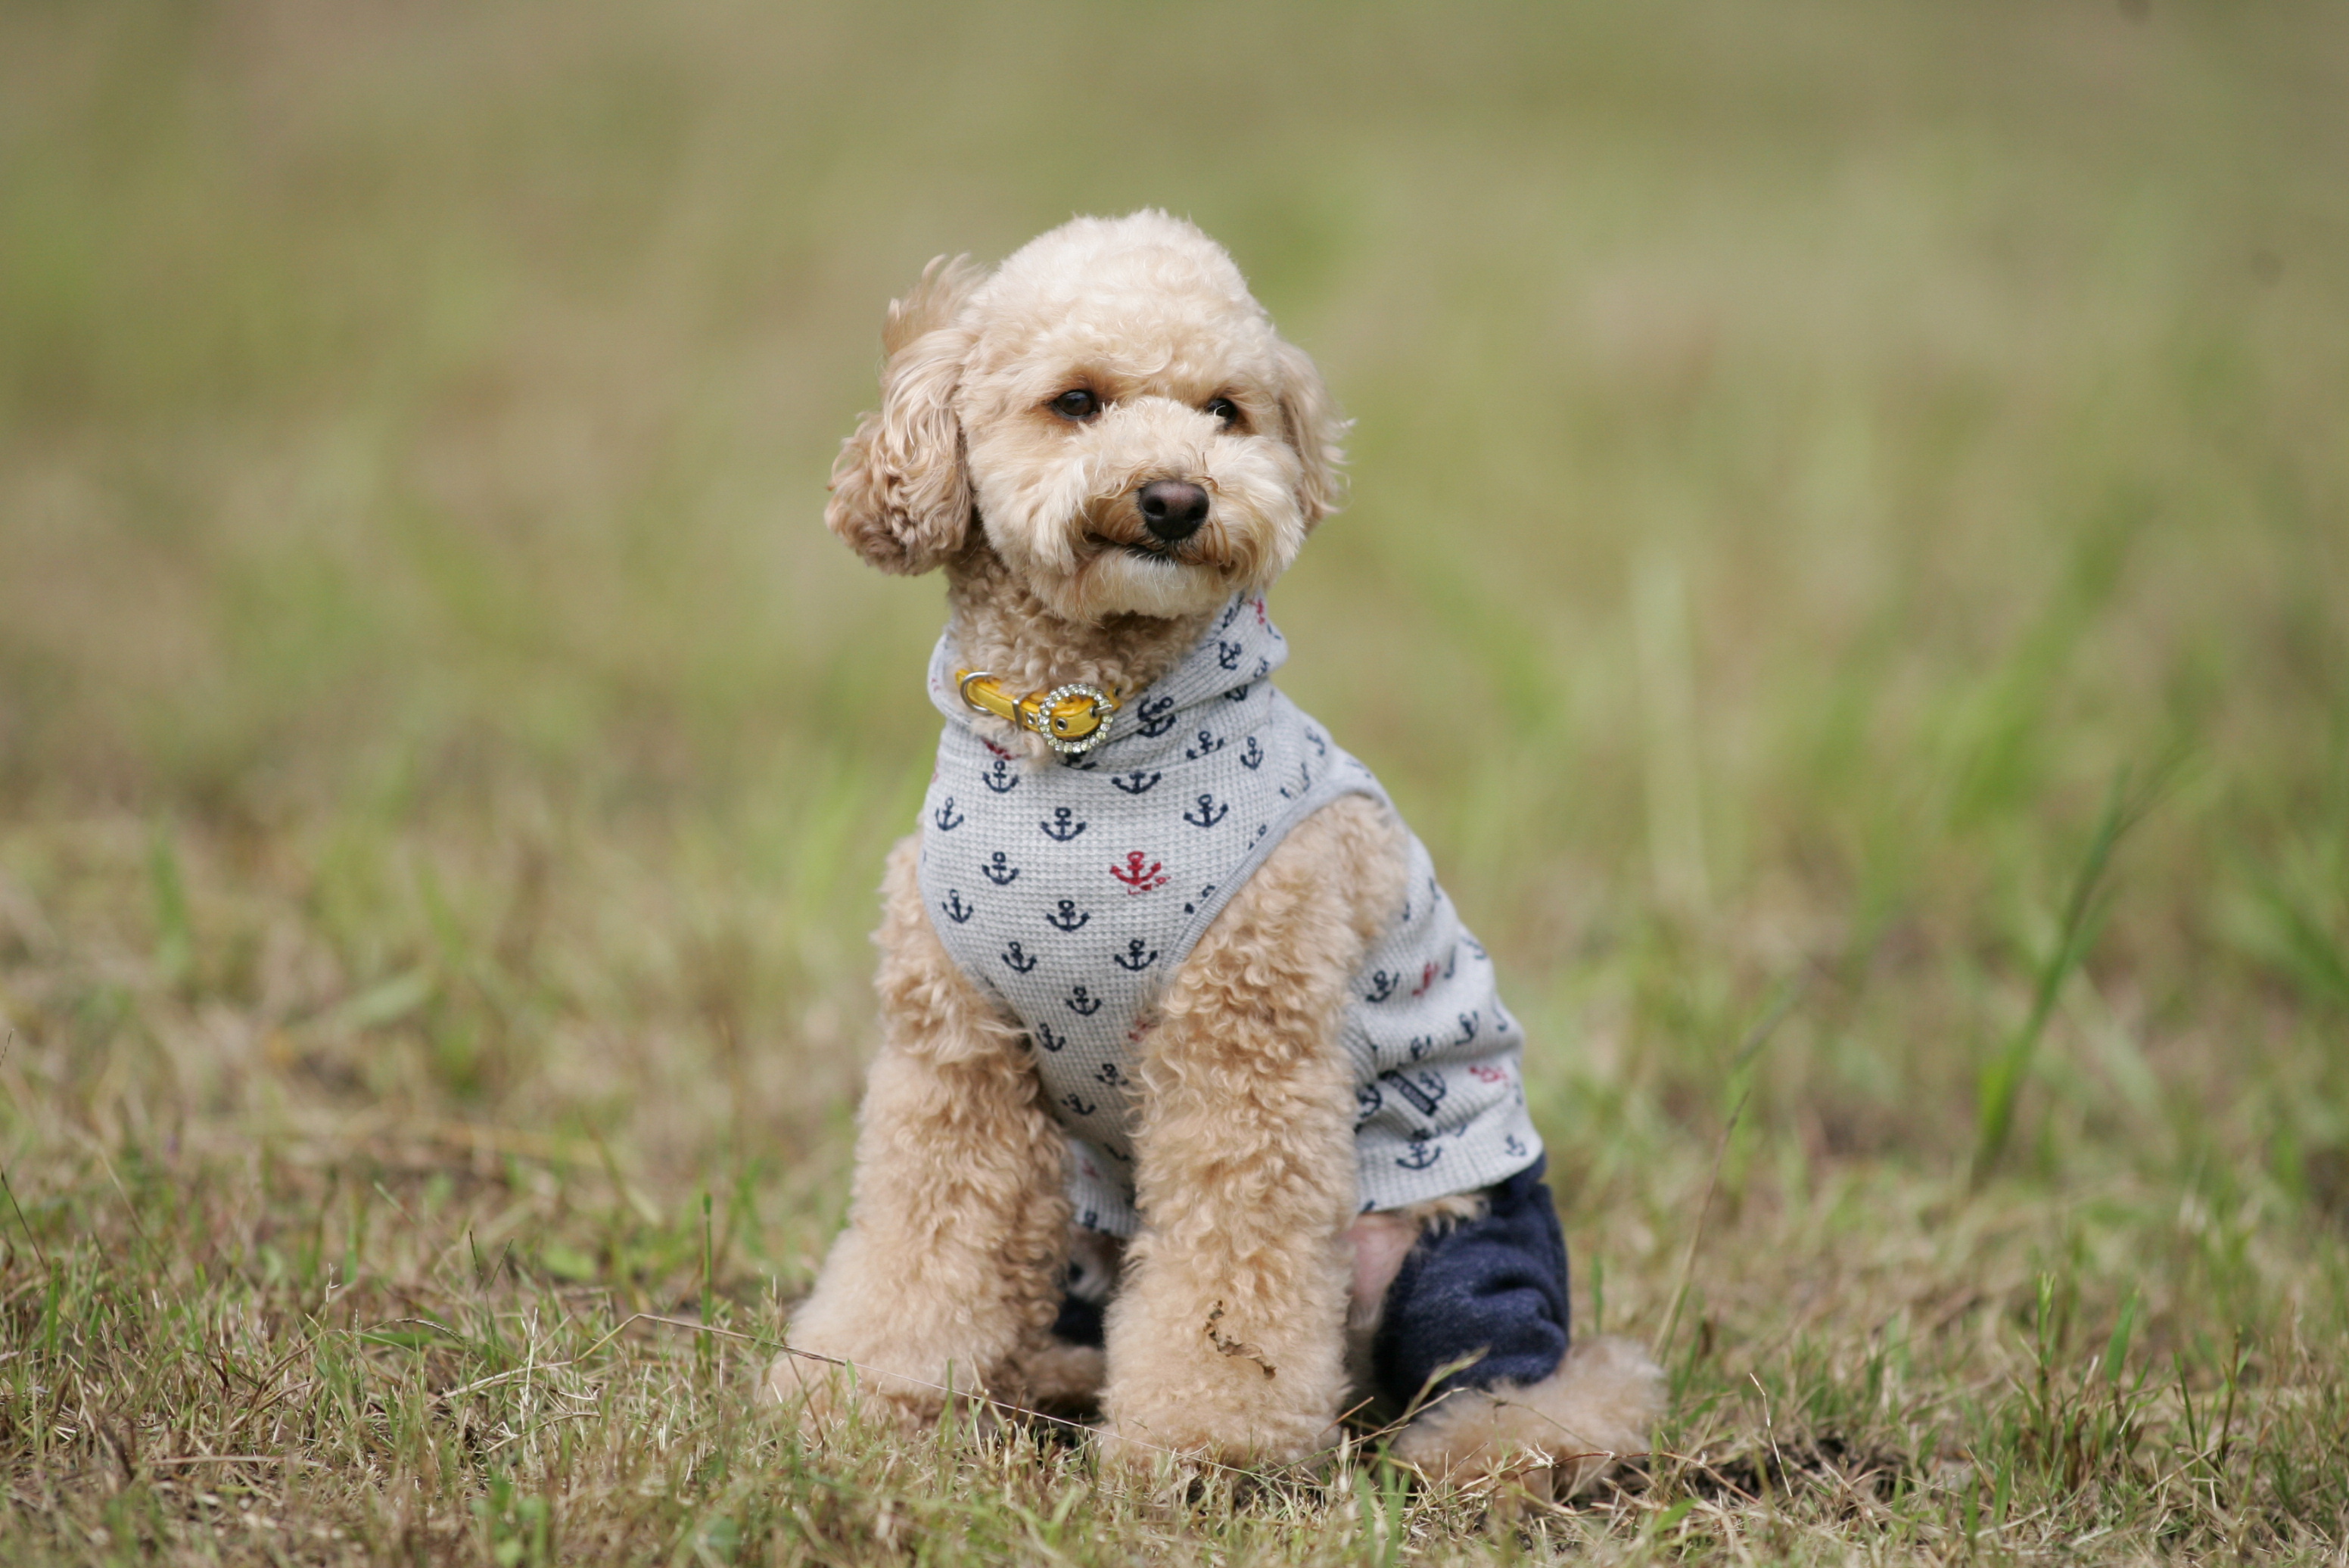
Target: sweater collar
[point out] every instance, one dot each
(1240, 648)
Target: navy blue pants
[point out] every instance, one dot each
(1494, 1285)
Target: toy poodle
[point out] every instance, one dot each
(1195, 1100)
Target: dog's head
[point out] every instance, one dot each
(1113, 410)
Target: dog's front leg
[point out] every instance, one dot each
(958, 1219)
(1227, 1340)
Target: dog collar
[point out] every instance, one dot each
(1072, 718)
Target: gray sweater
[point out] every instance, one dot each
(1071, 890)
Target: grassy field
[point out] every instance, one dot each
(1849, 572)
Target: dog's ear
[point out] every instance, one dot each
(1315, 429)
(900, 497)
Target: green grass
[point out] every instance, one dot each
(1817, 463)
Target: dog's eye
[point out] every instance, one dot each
(1076, 403)
(1224, 408)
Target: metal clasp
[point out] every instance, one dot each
(962, 690)
(1070, 734)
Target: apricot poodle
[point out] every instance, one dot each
(1195, 1100)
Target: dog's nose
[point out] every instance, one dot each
(1173, 510)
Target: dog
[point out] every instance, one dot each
(1195, 1103)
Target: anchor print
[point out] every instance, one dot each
(1205, 894)
(1452, 964)
(947, 817)
(1132, 959)
(1107, 1072)
(999, 871)
(1252, 757)
(1063, 825)
(1156, 717)
(1079, 1105)
(1205, 813)
(1240, 693)
(992, 746)
(1514, 1144)
(1067, 917)
(1367, 1100)
(1420, 1045)
(1484, 1072)
(1000, 777)
(1049, 1040)
(1209, 744)
(1426, 979)
(1319, 741)
(1137, 877)
(1228, 654)
(1468, 1026)
(957, 911)
(1382, 986)
(1424, 1089)
(1304, 782)
(1423, 1153)
(1021, 960)
(1473, 945)
(1136, 782)
(1084, 1003)
(1263, 668)
(1231, 614)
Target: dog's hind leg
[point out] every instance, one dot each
(957, 1223)
(1228, 1338)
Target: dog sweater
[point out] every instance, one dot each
(1071, 891)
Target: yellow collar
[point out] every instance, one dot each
(1072, 718)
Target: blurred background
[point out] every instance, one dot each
(1809, 455)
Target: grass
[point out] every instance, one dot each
(1815, 463)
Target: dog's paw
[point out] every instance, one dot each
(1552, 1438)
(1171, 1475)
(1187, 1437)
(1137, 1461)
(1058, 1378)
(822, 1398)
(824, 1395)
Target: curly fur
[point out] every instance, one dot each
(956, 1220)
(1557, 1436)
(1229, 1331)
(1059, 581)
(1245, 1159)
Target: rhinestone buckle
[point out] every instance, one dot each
(1055, 726)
